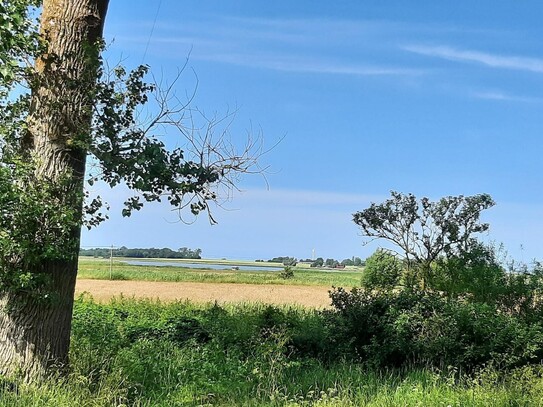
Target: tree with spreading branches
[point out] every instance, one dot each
(424, 230)
(60, 108)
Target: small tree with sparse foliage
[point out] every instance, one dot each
(287, 273)
(425, 230)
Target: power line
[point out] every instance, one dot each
(151, 33)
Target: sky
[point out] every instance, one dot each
(355, 99)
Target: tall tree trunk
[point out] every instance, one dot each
(35, 335)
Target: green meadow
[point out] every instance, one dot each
(118, 270)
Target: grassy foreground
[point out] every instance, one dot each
(100, 269)
(144, 353)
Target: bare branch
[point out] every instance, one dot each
(204, 167)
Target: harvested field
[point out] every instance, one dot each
(308, 296)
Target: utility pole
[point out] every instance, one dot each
(111, 263)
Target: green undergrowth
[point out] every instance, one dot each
(146, 353)
(100, 269)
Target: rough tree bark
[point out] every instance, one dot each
(35, 335)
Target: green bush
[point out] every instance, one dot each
(476, 275)
(382, 271)
(385, 329)
(118, 275)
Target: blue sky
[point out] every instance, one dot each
(433, 98)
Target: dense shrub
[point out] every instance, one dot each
(397, 329)
(523, 293)
(374, 327)
(478, 276)
(382, 271)
(475, 275)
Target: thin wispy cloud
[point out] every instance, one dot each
(286, 31)
(210, 50)
(503, 97)
(286, 63)
(485, 58)
(342, 29)
(313, 46)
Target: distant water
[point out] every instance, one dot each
(212, 266)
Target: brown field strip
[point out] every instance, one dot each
(308, 296)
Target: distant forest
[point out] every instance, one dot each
(319, 262)
(164, 253)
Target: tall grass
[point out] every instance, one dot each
(145, 353)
